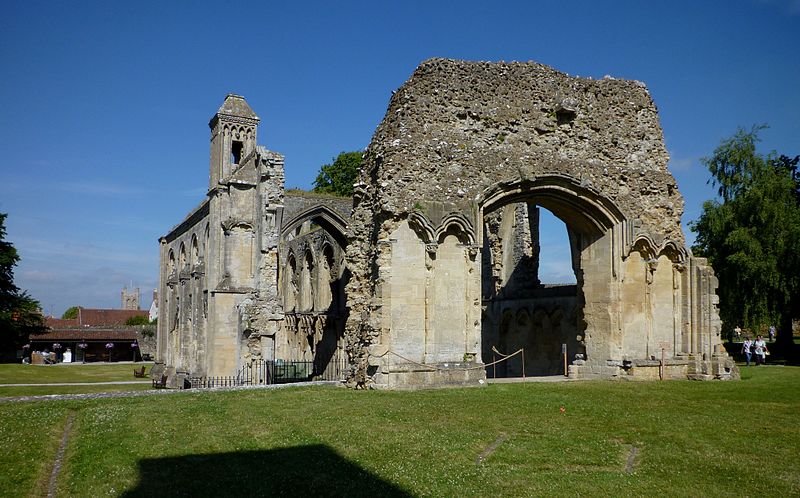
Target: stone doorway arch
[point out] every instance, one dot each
(537, 318)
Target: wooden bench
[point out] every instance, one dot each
(139, 372)
(162, 383)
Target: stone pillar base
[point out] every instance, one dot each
(582, 369)
(691, 367)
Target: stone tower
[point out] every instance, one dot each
(218, 267)
(130, 298)
(233, 137)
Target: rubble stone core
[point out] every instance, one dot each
(461, 140)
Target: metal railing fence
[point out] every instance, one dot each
(264, 372)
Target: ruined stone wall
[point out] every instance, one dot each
(540, 325)
(456, 128)
(183, 292)
(254, 273)
(459, 138)
(261, 312)
(511, 251)
(295, 203)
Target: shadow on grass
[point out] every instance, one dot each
(314, 470)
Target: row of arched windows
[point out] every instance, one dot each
(186, 261)
(309, 286)
(195, 254)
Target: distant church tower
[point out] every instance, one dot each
(130, 299)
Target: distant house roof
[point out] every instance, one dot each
(93, 317)
(87, 334)
(60, 323)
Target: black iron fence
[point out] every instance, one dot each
(265, 372)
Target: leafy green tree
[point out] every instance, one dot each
(137, 320)
(752, 237)
(338, 178)
(71, 313)
(20, 315)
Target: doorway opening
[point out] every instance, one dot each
(531, 291)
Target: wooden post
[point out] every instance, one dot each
(564, 354)
(523, 363)
(664, 345)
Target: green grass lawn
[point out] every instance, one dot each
(686, 438)
(66, 373)
(16, 373)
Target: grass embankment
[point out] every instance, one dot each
(68, 373)
(613, 438)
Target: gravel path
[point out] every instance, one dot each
(157, 392)
(62, 448)
(111, 382)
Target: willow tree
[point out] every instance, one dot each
(751, 234)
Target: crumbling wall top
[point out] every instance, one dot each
(456, 128)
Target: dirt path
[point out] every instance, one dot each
(108, 383)
(62, 448)
(158, 392)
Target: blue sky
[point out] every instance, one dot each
(105, 105)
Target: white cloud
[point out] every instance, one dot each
(53, 251)
(681, 164)
(95, 286)
(556, 272)
(62, 274)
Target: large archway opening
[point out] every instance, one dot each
(314, 322)
(541, 241)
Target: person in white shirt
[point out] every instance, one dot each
(747, 349)
(760, 350)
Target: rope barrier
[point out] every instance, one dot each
(434, 368)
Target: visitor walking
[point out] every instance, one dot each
(761, 350)
(772, 333)
(747, 349)
(738, 331)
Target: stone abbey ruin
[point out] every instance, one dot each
(431, 271)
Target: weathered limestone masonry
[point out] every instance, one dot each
(220, 269)
(463, 141)
(436, 273)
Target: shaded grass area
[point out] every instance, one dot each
(690, 439)
(91, 372)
